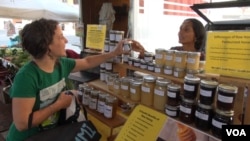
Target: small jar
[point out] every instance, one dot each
(191, 85)
(169, 58)
(160, 56)
(111, 78)
(131, 61)
(110, 107)
(127, 46)
(143, 64)
(179, 72)
(193, 59)
(172, 111)
(158, 68)
(101, 102)
(173, 94)
(102, 66)
(220, 118)
(112, 46)
(180, 59)
(125, 86)
(187, 109)
(168, 70)
(147, 90)
(148, 56)
(226, 96)
(150, 66)
(93, 99)
(117, 85)
(207, 91)
(203, 116)
(80, 91)
(135, 90)
(160, 94)
(119, 35)
(109, 65)
(137, 62)
(112, 35)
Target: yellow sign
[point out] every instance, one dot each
(95, 36)
(228, 53)
(143, 124)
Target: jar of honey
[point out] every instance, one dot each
(203, 116)
(158, 68)
(101, 102)
(125, 86)
(172, 111)
(226, 96)
(147, 90)
(180, 59)
(93, 99)
(148, 56)
(187, 110)
(169, 57)
(179, 72)
(191, 86)
(193, 59)
(135, 90)
(168, 70)
(143, 64)
(110, 107)
(112, 35)
(151, 66)
(117, 85)
(173, 94)
(119, 35)
(160, 56)
(86, 95)
(207, 91)
(160, 93)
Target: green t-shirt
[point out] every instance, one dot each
(30, 81)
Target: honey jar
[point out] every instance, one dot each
(191, 86)
(207, 91)
(160, 56)
(220, 118)
(150, 66)
(203, 116)
(180, 59)
(169, 58)
(110, 107)
(172, 111)
(179, 72)
(147, 90)
(143, 64)
(112, 35)
(101, 102)
(168, 70)
(119, 35)
(187, 109)
(86, 95)
(226, 96)
(160, 93)
(135, 90)
(125, 86)
(148, 56)
(158, 68)
(173, 94)
(193, 60)
(117, 85)
(93, 99)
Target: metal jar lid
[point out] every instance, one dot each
(174, 87)
(170, 51)
(193, 53)
(159, 50)
(192, 79)
(209, 83)
(163, 82)
(228, 88)
(149, 78)
(135, 82)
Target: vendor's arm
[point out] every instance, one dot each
(95, 60)
(22, 108)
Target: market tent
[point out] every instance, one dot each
(35, 9)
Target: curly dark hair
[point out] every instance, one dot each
(199, 31)
(37, 35)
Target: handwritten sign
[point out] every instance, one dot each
(95, 36)
(228, 53)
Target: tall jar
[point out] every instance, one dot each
(160, 56)
(193, 59)
(135, 90)
(93, 99)
(191, 86)
(101, 102)
(169, 57)
(110, 107)
(125, 86)
(111, 78)
(180, 59)
(207, 91)
(117, 86)
(168, 70)
(160, 94)
(187, 110)
(147, 90)
(86, 95)
(226, 96)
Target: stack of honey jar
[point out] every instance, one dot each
(97, 100)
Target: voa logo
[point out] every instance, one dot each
(236, 132)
